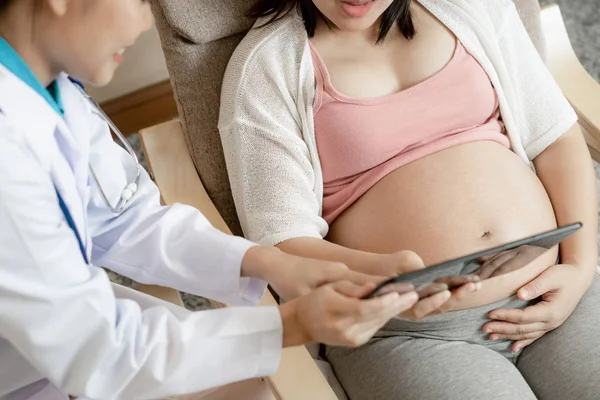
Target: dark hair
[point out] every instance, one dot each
(398, 12)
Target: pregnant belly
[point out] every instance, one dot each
(452, 203)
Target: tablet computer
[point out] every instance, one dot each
(503, 258)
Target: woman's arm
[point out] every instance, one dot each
(360, 261)
(566, 170)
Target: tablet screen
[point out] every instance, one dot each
(486, 264)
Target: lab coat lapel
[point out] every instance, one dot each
(51, 141)
(66, 185)
(78, 134)
(74, 140)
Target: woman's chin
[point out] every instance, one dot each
(356, 25)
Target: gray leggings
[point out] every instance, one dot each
(449, 357)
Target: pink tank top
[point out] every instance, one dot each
(360, 141)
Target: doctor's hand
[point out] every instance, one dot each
(292, 276)
(334, 314)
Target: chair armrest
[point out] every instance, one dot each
(298, 377)
(163, 293)
(581, 89)
(174, 173)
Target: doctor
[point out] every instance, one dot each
(62, 330)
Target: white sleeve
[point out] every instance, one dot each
(270, 168)
(62, 315)
(543, 113)
(170, 246)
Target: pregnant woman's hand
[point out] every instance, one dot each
(449, 292)
(334, 314)
(397, 263)
(440, 297)
(560, 288)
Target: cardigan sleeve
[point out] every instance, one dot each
(269, 164)
(543, 113)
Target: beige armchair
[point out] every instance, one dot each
(186, 158)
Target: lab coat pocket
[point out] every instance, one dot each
(106, 183)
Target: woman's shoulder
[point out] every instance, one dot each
(500, 11)
(274, 48)
(463, 15)
(496, 11)
(493, 7)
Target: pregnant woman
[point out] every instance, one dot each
(359, 128)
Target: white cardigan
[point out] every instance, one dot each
(267, 126)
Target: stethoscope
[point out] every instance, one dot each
(127, 193)
(131, 188)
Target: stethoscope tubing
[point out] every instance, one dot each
(131, 188)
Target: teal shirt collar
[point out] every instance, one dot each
(12, 61)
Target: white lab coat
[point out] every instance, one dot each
(61, 325)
